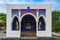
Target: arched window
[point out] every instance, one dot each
(41, 23)
(15, 24)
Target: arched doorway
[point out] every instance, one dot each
(41, 24)
(15, 23)
(28, 26)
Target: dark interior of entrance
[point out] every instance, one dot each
(28, 26)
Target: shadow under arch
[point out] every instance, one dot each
(28, 26)
(41, 23)
(15, 23)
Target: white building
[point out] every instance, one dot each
(28, 20)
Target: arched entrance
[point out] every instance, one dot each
(15, 23)
(28, 26)
(41, 23)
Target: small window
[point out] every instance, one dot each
(41, 24)
(15, 24)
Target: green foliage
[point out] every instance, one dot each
(3, 18)
(56, 20)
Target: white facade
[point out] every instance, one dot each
(17, 33)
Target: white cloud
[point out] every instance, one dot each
(54, 3)
(14, 1)
(18, 1)
(1, 1)
(2, 11)
(2, 8)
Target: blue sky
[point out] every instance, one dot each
(55, 3)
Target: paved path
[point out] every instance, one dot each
(3, 35)
(56, 36)
(55, 33)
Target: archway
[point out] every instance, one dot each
(28, 26)
(41, 24)
(15, 23)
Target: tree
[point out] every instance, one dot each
(55, 20)
(3, 18)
